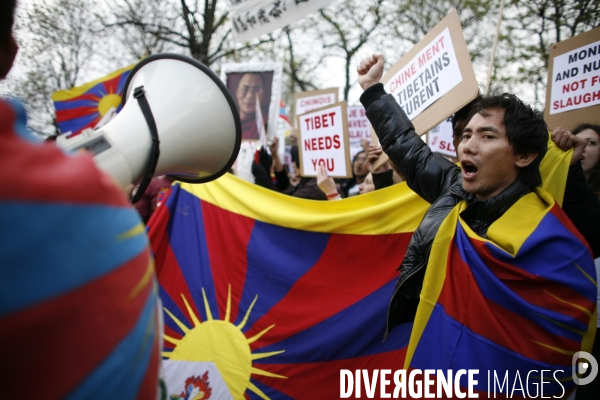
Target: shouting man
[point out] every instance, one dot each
(495, 278)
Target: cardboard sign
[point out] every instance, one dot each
(252, 18)
(324, 140)
(359, 128)
(439, 139)
(311, 100)
(434, 79)
(573, 90)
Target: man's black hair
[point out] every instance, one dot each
(7, 11)
(526, 131)
(465, 113)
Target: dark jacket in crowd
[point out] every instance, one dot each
(583, 207)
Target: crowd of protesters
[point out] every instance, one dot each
(510, 167)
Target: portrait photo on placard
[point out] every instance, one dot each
(256, 89)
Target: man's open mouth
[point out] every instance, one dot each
(468, 168)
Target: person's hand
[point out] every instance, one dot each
(565, 140)
(370, 71)
(373, 155)
(263, 158)
(274, 146)
(325, 182)
(364, 143)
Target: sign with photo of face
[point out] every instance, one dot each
(247, 82)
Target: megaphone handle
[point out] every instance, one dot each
(139, 94)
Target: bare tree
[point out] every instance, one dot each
(347, 27)
(411, 20)
(300, 57)
(531, 28)
(58, 47)
(198, 28)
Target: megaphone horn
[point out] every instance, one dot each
(197, 126)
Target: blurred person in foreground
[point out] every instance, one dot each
(78, 304)
(491, 247)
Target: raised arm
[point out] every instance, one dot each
(427, 173)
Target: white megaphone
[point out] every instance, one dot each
(175, 101)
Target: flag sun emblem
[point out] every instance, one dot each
(223, 343)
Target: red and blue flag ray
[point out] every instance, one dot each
(309, 281)
(84, 106)
(526, 301)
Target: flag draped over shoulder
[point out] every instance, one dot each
(518, 301)
(84, 106)
(281, 293)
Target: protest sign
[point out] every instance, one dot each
(439, 139)
(252, 18)
(573, 90)
(245, 81)
(434, 79)
(359, 128)
(324, 140)
(313, 99)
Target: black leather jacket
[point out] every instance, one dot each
(435, 179)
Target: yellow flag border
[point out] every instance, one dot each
(69, 94)
(395, 209)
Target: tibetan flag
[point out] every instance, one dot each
(280, 293)
(84, 106)
(513, 305)
(282, 113)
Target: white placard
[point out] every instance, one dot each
(440, 139)
(203, 380)
(322, 141)
(231, 74)
(306, 104)
(576, 79)
(359, 128)
(253, 18)
(427, 77)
